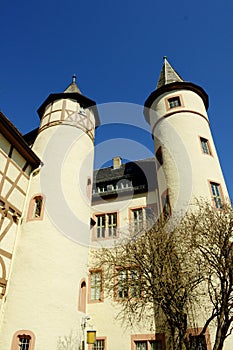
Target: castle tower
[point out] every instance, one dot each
(187, 163)
(46, 297)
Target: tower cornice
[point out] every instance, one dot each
(83, 100)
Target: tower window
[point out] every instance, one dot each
(174, 102)
(159, 156)
(205, 145)
(23, 340)
(82, 110)
(166, 205)
(216, 195)
(36, 208)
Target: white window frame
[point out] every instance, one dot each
(139, 217)
(99, 344)
(216, 193)
(124, 286)
(106, 225)
(95, 285)
(205, 146)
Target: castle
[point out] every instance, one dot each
(54, 208)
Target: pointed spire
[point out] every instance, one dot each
(73, 87)
(168, 74)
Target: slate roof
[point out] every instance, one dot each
(140, 176)
(73, 87)
(168, 74)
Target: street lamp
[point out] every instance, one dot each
(89, 336)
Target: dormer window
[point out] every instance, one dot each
(174, 102)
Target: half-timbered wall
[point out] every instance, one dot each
(14, 179)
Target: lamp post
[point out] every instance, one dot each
(89, 336)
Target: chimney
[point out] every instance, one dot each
(116, 162)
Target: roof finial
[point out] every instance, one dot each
(164, 57)
(74, 78)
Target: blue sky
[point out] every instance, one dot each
(116, 50)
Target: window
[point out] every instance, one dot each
(174, 102)
(106, 225)
(156, 345)
(141, 216)
(99, 344)
(23, 340)
(159, 156)
(141, 345)
(128, 283)
(205, 145)
(166, 205)
(82, 110)
(82, 296)
(137, 219)
(95, 286)
(36, 208)
(148, 345)
(148, 341)
(198, 342)
(216, 195)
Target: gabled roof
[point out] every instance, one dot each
(168, 74)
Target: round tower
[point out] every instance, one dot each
(46, 299)
(187, 163)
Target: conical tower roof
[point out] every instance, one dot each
(168, 75)
(170, 80)
(71, 92)
(73, 87)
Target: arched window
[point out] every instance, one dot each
(23, 340)
(82, 296)
(36, 208)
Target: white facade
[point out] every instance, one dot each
(47, 294)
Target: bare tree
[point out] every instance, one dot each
(167, 274)
(212, 236)
(69, 342)
(154, 275)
